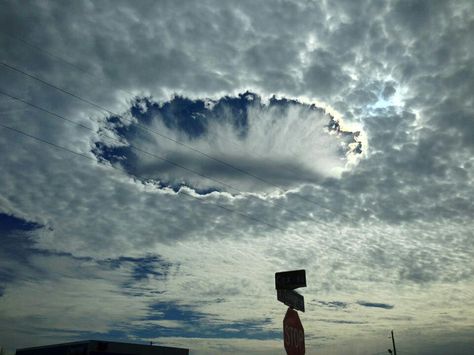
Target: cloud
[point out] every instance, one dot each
(375, 305)
(333, 304)
(324, 77)
(340, 321)
(129, 239)
(58, 294)
(232, 144)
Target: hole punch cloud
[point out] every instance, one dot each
(233, 144)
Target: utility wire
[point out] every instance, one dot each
(181, 191)
(57, 57)
(58, 88)
(88, 72)
(13, 68)
(139, 150)
(57, 146)
(44, 51)
(171, 162)
(57, 116)
(47, 142)
(168, 138)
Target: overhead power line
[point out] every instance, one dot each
(140, 150)
(47, 142)
(46, 52)
(181, 191)
(180, 143)
(57, 57)
(208, 156)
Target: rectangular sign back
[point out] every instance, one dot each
(291, 298)
(289, 280)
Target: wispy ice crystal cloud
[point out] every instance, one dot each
(233, 144)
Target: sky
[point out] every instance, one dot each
(161, 160)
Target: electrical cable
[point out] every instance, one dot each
(181, 191)
(184, 192)
(8, 66)
(57, 146)
(171, 162)
(57, 57)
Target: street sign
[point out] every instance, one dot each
(293, 333)
(291, 298)
(289, 280)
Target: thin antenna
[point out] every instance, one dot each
(393, 343)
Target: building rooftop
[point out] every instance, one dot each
(100, 347)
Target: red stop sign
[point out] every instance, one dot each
(293, 333)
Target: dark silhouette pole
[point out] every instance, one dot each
(393, 343)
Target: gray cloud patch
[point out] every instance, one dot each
(375, 305)
(340, 321)
(333, 304)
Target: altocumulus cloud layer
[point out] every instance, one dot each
(381, 220)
